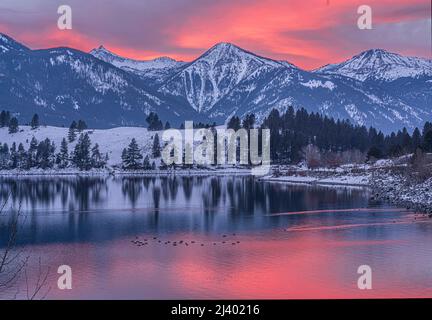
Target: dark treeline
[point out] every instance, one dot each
(6, 120)
(296, 135)
(293, 130)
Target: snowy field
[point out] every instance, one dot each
(111, 141)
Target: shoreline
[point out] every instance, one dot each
(385, 186)
(313, 182)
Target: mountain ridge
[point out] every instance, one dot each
(225, 80)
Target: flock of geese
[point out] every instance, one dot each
(156, 240)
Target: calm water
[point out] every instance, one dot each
(236, 237)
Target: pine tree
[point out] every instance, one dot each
(81, 154)
(81, 125)
(154, 123)
(63, 155)
(45, 155)
(71, 135)
(4, 119)
(96, 157)
(31, 154)
(132, 158)
(416, 140)
(13, 156)
(124, 155)
(374, 153)
(146, 163)
(21, 157)
(427, 141)
(234, 123)
(249, 121)
(73, 125)
(4, 156)
(167, 125)
(156, 151)
(35, 121)
(13, 125)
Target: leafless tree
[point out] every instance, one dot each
(312, 156)
(14, 260)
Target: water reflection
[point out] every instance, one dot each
(294, 241)
(244, 196)
(100, 208)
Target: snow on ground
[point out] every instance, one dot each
(337, 179)
(111, 141)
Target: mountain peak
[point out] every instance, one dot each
(224, 48)
(379, 64)
(101, 50)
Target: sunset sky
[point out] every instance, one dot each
(308, 33)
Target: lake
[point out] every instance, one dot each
(213, 237)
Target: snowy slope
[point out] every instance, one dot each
(157, 70)
(62, 84)
(378, 64)
(111, 141)
(214, 74)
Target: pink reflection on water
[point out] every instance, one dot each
(273, 265)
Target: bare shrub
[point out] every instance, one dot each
(312, 155)
(421, 165)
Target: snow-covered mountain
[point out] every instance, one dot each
(205, 81)
(378, 64)
(64, 84)
(157, 70)
(375, 88)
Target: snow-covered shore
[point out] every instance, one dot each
(400, 191)
(385, 182)
(335, 180)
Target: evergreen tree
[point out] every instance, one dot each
(416, 140)
(132, 158)
(248, 121)
(73, 125)
(154, 123)
(96, 157)
(374, 153)
(4, 156)
(31, 154)
(81, 125)
(426, 128)
(71, 135)
(146, 163)
(167, 125)
(4, 118)
(34, 124)
(21, 157)
(13, 125)
(81, 154)
(427, 141)
(156, 150)
(234, 123)
(13, 156)
(63, 155)
(124, 155)
(45, 154)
